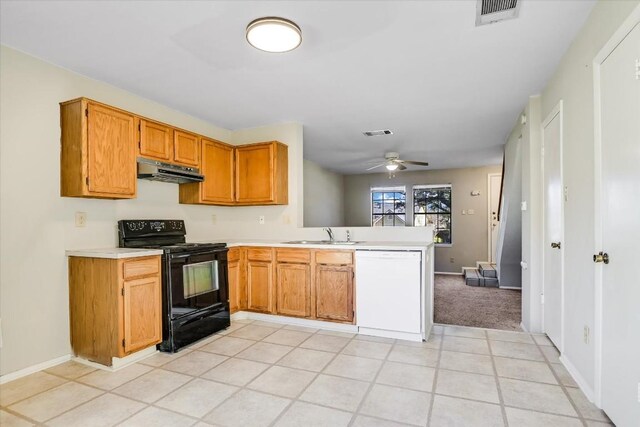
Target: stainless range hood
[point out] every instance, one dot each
(166, 172)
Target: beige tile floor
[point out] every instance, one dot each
(261, 374)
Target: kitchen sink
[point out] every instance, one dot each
(320, 242)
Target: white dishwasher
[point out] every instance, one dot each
(389, 293)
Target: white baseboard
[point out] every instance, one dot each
(510, 287)
(522, 327)
(34, 368)
(407, 336)
(448, 273)
(318, 324)
(118, 363)
(579, 379)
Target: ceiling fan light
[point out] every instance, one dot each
(273, 34)
(391, 166)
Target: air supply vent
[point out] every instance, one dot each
(491, 11)
(378, 132)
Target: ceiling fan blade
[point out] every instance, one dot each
(401, 167)
(411, 162)
(376, 166)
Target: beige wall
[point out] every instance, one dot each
(323, 196)
(469, 232)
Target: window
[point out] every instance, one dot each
(432, 205)
(388, 207)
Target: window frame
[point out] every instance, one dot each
(389, 189)
(415, 214)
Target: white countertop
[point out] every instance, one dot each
(391, 246)
(113, 253)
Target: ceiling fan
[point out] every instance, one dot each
(393, 162)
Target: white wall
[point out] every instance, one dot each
(573, 83)
(323, 196)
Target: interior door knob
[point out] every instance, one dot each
(601, 257)
(555, 245)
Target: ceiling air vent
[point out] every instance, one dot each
(491, 11)
(378, 132)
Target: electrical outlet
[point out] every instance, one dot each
(586, 336)
(452, 259)
(471, 212)
(81, 219)
(261, 220)
(523, 206)
(214, 219)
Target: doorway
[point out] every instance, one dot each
(495, 185)
(553, 217)
(617, 103)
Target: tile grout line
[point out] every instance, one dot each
(434, 384)
(496, 378)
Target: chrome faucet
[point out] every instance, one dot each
(348, 236)
(330, 232)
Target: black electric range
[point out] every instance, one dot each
(195, 284)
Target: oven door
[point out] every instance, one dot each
(197, 281)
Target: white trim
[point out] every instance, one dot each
(510, 287)
(559, 112)
(34, 368)
(489, 220)
(523, 328)
(385, 333)
(329, 326)
(448, 273)
(627, 26)
(118, 363)
(579, 379)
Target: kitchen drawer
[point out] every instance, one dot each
(260, 254)
(334, 257)
(139, 267)
(298, 256)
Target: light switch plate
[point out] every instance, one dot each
(471, 212)
(523, 206)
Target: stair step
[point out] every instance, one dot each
(488, 270)
(472, 277)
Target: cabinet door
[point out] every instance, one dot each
(217, 168)
(254, 173)
(237, 282)
(142, 313)
(259, 286)
(155, 140)
(111, 145)
(293, 289)
(186, 149)
(334, 292)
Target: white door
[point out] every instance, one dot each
(552, 258)
(620, 215)
(495, 181)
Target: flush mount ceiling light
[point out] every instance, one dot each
(391, 166)
(273, 34)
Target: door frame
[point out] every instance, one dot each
(489, 220)
(558, 111)
(627, 26)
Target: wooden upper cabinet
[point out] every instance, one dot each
(98, 151)
(186, 148)
(217, 166)
(334, 292)
(155, 140)
(262, 174)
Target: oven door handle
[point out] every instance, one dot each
(176, 256)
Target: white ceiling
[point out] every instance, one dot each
(450, 91)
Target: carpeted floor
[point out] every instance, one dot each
(458, 304)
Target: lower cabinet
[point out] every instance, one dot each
(260, 279)
(334, 292)
(115, 306)
(298, 282)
